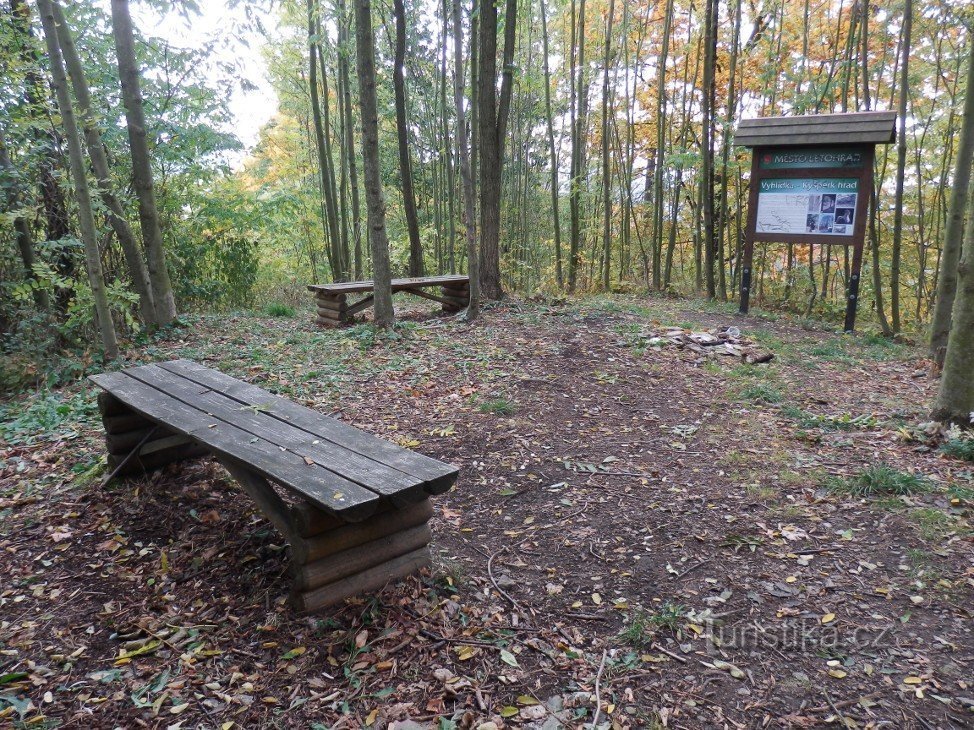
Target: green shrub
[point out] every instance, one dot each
(761, 393)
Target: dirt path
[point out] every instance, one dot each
(634, 521)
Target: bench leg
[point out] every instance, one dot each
(125, 430)
(332, 560)
(332, 309)
(457, 296)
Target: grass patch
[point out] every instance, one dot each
(498, 407)
(839, 422)
(277, 309)
(959, 448)
(760, 393)
(932, 524)
(879, 480)
(642, 626)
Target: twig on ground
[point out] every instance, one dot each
(598, 691)
(490, 574)
(692, 568)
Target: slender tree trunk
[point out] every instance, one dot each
(578, 143)
(99, 163)
(86, 219)
(494, 112)
(344, 51)
(955, 401)
(894, 283)
(954, 234)
(660, 152)
(416, 267)
(381, 274)
(606, 162)
(128, 72)
(552, 149)
(339, 238)
(466, 173)
(707, 167)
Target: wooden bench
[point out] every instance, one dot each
(356, 508)
(334, 308)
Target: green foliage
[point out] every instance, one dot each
(839, 422)
(47, 416)
(959, 448)
(497, 406)
(761, 393)
(642, 626)
(879, 480)
(277, 309)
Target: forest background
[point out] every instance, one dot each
(619, 162)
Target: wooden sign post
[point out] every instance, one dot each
(812, 182)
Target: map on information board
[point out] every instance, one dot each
(810, 206)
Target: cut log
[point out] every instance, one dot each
(157, 460)
(358, 559)
(122, 443)
(368, 580)
(327, 322)
(126, 422)
(332, 314)
(349, 536)
(307, 520)
(161, 439)
(331, 305)
(461, 293)
(109, 405)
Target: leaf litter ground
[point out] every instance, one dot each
(643, 535)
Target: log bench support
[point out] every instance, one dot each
(338, 549)
(332, 560)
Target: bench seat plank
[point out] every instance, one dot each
(374, 476)
(436, 476)
(352, 287)
(318, 485)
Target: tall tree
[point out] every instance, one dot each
(579, 124)
(552, 149)
(494, 112)
(128, 73)
(707, 146)
(954, 233)
(894, 282)
(606, 162)
(344, 51)
(99, 163)
(86, 219)
(466, 173)
(374, 200)
(416, 266)
(22, 232)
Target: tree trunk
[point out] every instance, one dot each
(99, 163)
(128, 72)
(416, 267)
(606, 168)
(954, 234)
(707, 165)
(955, 401)
(894, 283)
(553, 151)
(374, 201)
(578, 143)
(466, 173)
(344, 50)
(494, 112)
(86, 219)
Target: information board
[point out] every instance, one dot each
(809, 206)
